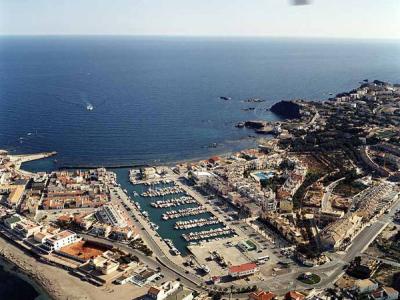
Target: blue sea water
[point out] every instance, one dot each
(157, 98)
(16, 286)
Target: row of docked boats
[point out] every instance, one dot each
(197, 223)
(171, 245)
(161, 181)
(191, 211)
(173, 202)
(208, 234)
(162, 191)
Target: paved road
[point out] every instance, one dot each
(331, 271)
(326, 204)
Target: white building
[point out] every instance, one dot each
(365, 285)
(61, 239)
(163, 291)
(148, 173)
(27, 228)
(200, 177)
(110, 215)
(145, 276)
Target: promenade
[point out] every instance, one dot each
(18, 160)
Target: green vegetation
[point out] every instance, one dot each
(141, 246)
(309, 278)
(251, 245)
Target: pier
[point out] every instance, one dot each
(162, 191)
(18, 160)
(173, 202)
(197, 223)
(192, 211)
(213, 233)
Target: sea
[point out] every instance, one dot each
(120, 101)
(16, 286)
(157, 99)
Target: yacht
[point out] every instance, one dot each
(175, 251)
(89, 107)
(154, 226)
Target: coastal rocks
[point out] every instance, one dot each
(286, 109)
(260, 127)
(255, 124)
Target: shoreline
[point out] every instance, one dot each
(11, 255)
(10, 267)
(55, 283)
(168, 163)
(52, 282)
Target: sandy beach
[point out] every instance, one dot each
(59, 284)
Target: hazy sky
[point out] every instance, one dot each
(324, 18)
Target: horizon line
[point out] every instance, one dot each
(196, 36)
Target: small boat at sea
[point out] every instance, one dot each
(225, 98)
(89, 107)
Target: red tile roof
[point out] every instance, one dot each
(294, 295)
(242, 268)
(262, 295)
(214, 159)
(153, 291)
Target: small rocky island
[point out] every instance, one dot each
(289, 110)
(286, 109)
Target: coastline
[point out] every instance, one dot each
(8, 266)
(51, 282)
(226, 151)
(54, 283)
(11, 255)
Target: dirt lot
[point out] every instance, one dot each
(83, 250)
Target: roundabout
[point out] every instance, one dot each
(309, 278)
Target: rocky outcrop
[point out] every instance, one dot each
(286, 109)
(255, 124)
